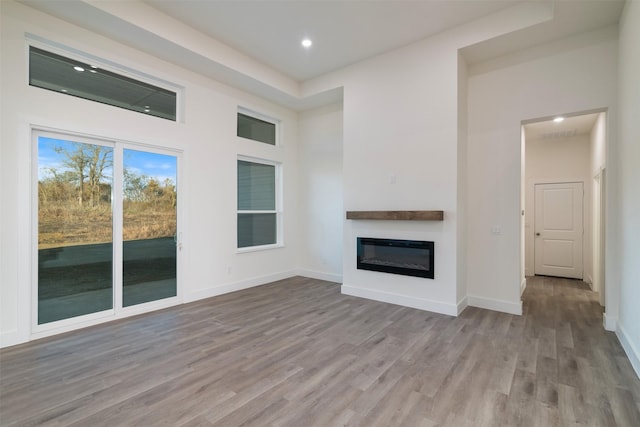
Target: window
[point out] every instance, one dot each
(258, 129)
(258, 201)
(58, 73)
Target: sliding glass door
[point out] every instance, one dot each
(75, 228)
(88, 261)
(149, 227)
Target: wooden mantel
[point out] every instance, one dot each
(397, 215)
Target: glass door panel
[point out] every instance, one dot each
(75, 237)
(149, 226)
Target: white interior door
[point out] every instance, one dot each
(559, 229)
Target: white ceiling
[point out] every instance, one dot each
(268, 32)
(570, 127)
(343, 32)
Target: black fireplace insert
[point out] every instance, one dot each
(407, 257)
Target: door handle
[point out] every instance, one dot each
(537, 234)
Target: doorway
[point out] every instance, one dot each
(560, 155)
(107, 227)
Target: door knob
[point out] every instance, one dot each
(537, 234)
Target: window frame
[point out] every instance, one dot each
(118, 311)
(110, 66)
(265, 118)
(278, 211)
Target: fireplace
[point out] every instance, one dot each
(406, 257)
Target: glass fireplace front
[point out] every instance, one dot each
(406, 257)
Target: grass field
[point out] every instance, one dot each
(63, 225)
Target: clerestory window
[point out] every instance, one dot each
(257, 127)
(51, 71)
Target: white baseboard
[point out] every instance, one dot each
(329, 277)
(589, 281)
(523, 285)
(238, 286)
(609, 322)
(462, 304)
(7, 339)
(495, 305)
(632, 352)
(406, 301)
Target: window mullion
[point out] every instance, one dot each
(116, 198)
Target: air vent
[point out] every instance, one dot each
(559, 134)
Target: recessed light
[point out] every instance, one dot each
(78, 68)
(558, 119)
(63, 90)
(307, 43)
(146, 110)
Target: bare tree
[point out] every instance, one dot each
(88, 162)
(77, 162)
(100, 158)
(134, 185)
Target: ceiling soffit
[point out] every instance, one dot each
(146, 28)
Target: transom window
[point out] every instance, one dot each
(48, 70)
(257, 127)
(258, 203)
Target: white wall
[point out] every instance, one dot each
(206, 138)
(558, 160)
(404, 136)
(598, 155)
(575, 74)
(461, 191)
(320, 193)
(628, 167)
(400, 153)
(597, 142)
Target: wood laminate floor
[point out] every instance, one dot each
(298, 353)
